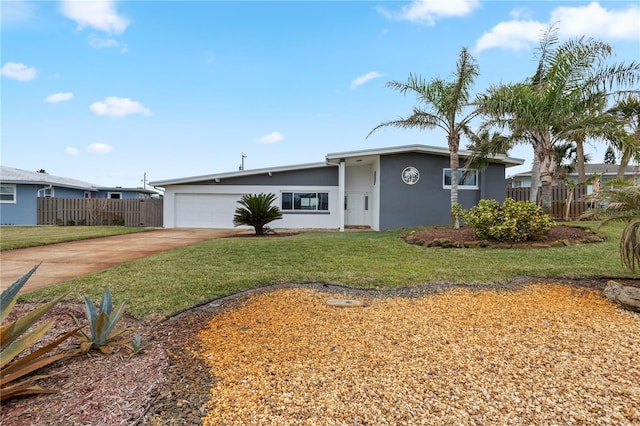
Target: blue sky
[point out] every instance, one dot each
(107, 91)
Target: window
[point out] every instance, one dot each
(114, 195)
(46, 192)
(304, 201)
(8, 194)
(87, 194)
(467, 178)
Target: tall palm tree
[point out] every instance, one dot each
(570, 78)
(443, 104)
(628, 111)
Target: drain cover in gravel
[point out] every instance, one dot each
(343, 302)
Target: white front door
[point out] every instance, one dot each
(355, 209)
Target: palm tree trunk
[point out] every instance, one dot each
(535, 176)
(547, 166)
(579, 141)
(624, 162)
(454, 162)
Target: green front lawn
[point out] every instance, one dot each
(167, 282)
(17, 237)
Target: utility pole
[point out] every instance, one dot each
(144, 181)
(242, 163)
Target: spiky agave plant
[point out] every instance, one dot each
(102, 322)
(18, 335)
(621, 203)
(257, 210)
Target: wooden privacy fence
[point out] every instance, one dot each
(95, 211)
(559, 197)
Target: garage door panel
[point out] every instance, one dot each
(206, 210)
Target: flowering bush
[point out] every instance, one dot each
(513, 221)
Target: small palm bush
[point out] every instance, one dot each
(513, 221)
(17, 336)
(621, 203)
(256, 210)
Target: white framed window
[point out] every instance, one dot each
(304, 201)
(87, 194)
(8, 194)
(46, 192)
(114, 195)
(467, 178)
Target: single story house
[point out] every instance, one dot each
(606, 172)
(384, 188)
(19, 190)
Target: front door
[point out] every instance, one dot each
(355, 209)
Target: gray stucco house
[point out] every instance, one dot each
(385, 188)
(19, 190)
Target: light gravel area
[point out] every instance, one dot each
(542, 354)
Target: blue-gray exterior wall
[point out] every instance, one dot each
(25, 210)
(126, 195)
(427, 202)
(321, 176)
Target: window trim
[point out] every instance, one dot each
(15, 193)
(293, 210)
(460, 186)
(42, 192)
(109, 194)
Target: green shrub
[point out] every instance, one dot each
(513, 221)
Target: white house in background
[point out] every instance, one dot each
(606, 171)
(384, 188)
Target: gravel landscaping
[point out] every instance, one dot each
(541, 353)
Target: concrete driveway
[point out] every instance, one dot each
(64, 261)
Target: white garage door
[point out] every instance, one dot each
(206, 210)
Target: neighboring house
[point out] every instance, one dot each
(606, 172)
(383, 188)
(19, 190)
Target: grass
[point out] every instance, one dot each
(162, 284)
(17, 237)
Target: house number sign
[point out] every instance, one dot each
(410, 175)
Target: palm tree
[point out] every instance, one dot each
(256, 211)
(441, 104)
(551, 108)
(628, 111)
(622, 204)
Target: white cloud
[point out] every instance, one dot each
(118, 107)
(514, 35)
(520, 13)
(364, 78)
(18, 71)
(71, 150)
(102, 43)
(272, 137)
(100, 15)
(597, 21)
(591, 20)
(16, 11)
(99, 148)
(428, 11)
(58, 97)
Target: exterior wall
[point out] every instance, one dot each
(126, 195)
(427, 202)
(320, 220)
(24, 211)
(325, 176)
(492, 185)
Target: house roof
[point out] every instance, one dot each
(426, 149)
(123, 189)
(349, 156)
(591, 169)
(19, 176)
